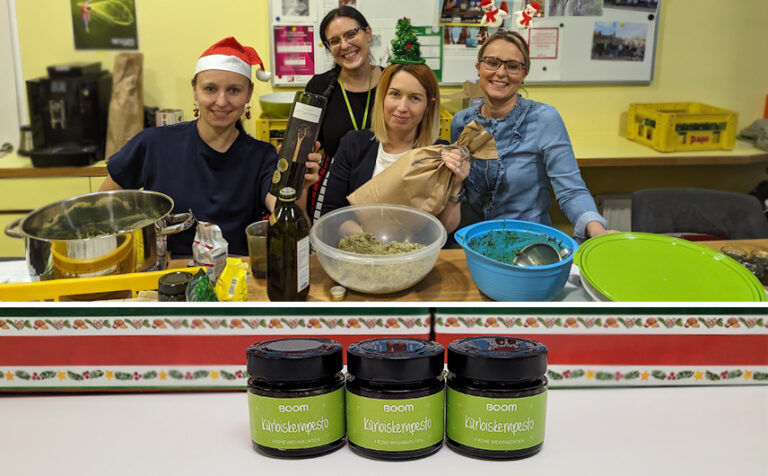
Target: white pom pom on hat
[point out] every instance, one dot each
(229, 55)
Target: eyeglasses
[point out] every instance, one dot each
(513, 68)
(347, 35)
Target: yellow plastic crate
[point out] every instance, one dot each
(445, 124)
(271, 130)
(56, 289)
(681, 126)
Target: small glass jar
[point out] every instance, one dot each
(760, 258)
(296, 397)
(172, 287)
(497, 397)
(733, 252)
(395, 397)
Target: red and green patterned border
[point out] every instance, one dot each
(574, 376)
(232, 325)
(121, 377)
(125, 377)
(693, 323)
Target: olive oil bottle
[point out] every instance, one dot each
(287, 250)
(299, 140)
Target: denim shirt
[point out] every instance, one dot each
(534, 150)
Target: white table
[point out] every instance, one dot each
(650, 431)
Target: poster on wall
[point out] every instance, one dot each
(104, 24)
(294, 53)
(294, 11)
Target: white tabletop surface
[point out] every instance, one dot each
(649, 431)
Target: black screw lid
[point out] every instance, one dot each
(173, 283)
(294, 359)
(396, 359)
(497, 358)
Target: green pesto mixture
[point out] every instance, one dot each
(367, 244)
(505, 245)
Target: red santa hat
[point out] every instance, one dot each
(229, 55)
(485, 3)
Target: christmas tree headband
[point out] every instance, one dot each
(405, 46)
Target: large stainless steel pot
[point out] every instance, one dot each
(101, 233)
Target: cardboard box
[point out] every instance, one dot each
(56, 348)
(455, 102)
(630, 347)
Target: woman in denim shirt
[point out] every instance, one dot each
(534, 149)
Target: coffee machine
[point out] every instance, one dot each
(68, 114)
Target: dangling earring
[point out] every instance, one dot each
(247, 111)
(196, 110)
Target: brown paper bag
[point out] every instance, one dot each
(126, 107)
(420, 178)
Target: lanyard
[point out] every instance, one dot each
(367, 102)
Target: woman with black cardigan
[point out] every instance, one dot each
(350, 87)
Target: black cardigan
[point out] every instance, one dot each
(351, 167)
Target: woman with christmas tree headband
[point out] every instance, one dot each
(533, 144)
(350, 86)
(406, 115)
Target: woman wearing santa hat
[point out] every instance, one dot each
(350, 86)
(534, 148)
(209, 165)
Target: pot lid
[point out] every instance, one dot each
(650, 267)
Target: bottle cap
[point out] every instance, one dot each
(338, 293)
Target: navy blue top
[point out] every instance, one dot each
(227, 189)
(351, 168)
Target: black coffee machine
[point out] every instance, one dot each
(68, 114)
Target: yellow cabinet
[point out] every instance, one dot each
(33, 193)
(19, 196)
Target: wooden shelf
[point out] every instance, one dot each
(616, 151)
(16, 166)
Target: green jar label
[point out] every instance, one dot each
(294, 423)
(501, 424)
(395, 425)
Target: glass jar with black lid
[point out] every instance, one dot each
(172, 287)
(395, 397)
(296, 396)
(497, 396)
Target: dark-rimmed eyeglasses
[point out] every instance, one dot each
(513, 67)
(347, 35)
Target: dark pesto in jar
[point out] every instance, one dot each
(497, 397)
(395, 397)
(296, 397)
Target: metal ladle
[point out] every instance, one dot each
(539, 254)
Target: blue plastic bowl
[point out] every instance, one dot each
(506, 282)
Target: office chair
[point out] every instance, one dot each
(726, 215)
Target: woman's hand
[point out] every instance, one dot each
(313, 167)
(458, 163)
(595, 228)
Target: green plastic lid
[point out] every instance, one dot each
(650, 267)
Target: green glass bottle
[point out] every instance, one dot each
(287, 250)
(300, 136)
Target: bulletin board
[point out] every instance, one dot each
(297, 52)
(571, 41)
